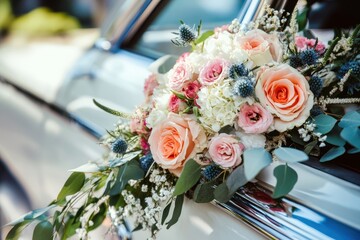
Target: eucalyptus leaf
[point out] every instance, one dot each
(70, 228)
(221, 193)
(204, 36)
(165, 213)
(204, 192)
(43, 231)
(98, 218)
(350, 119)
(310, 146)
(72, 185)
(302, 18)
(190, 175)
(324, 123)
(255, 160)
(236, 179)
(16, 230)
(290, 155)
(112, 111)
(128, 171)
(332, 154)
(87, 168)
(351, 135)
(177, 211)
(334, 137)
(124, 159)
(354, 151)
(31, 215)
(286, 177)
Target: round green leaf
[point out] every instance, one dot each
(189, 176)
(43, 231)
(255, 160)
(324, 123)
(221, 193)
(334, 137)
(74, 183)
(290, 155)
(286, 177)
(204, 193)
(354, 150)
(351, 135)
(332, 154)
(236, 179)
(350, 119)
(177, 211)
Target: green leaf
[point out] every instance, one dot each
(124, 159)
(204, 36)
(177, 211)
(98, 218)
(290, 155)
(179, 95)
(351, 135)
(310, 146)
(334, 137)
(74, 183)
(16, 230)
(165, 213)
(87, 168)
(222, 193)
(226, 129)
(350, 119)
(70, 228)
(324, 123)
(332, 154)
(330, 49)
(204, 192)
(43, 231)
(188, 178)
(236, 179)
(354, 150)
(302, 18)
(286, 177)
(130, 170)
(35, 214)
(112, 111)
(254, 161)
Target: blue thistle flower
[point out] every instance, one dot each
(119, 146)
(316, 85)
(316, 110)
(238, 70)
(309, 56)
(295, 61)
(210, 172)
(146, 161)
(355, 69)
(186, 33)
(243, 87)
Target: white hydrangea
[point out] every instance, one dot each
(160, 110)
(251, 140)
(197, 61)
(218, 105)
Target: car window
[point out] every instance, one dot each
(156, 39)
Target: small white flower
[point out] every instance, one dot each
(322, 144)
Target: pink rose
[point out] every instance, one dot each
(180, 75)
(191, 89)
(303, 43)
(262, 47)
(183, 57)
(254, 118)
(225, 150)
(213, 71)
(176, 104)
(175, 140)
(149, 86)
(138, 122)
(285, 93)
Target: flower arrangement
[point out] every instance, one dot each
(245, 96)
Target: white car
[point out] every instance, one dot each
(49, 125)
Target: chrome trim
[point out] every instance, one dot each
(283, 218)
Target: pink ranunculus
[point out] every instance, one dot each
(254, 118)
(213, 71)
(180, 75)
(175, 140)
(320, 46)
(284, 92)
(138, 123)
(191, 89)
(262, 47)
(176, 104)
(149, 86)
(183, 57)
(225, 150)
(144, 145)
(303, 43)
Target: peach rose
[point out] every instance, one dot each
(262, 47)
(225, 150)
(284, 92)
(175, 140)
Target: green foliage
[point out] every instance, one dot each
(350, 119)
(73, 185)
(302, 18)
(177, 211)
(236, 179)
(165, 213)
(351, 135)
(112, 111)
(70, 228)
(332, 154)
(290, 155)
(334, 137)
(98, 218)
(204, 192)
(126, 158)
(286, 177)
(222, 193)
(254, 161)
(189, 177)
(43, 231)
(204, 36)
(16, 230)
(324, 123)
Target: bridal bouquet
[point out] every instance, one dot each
(244, 97)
